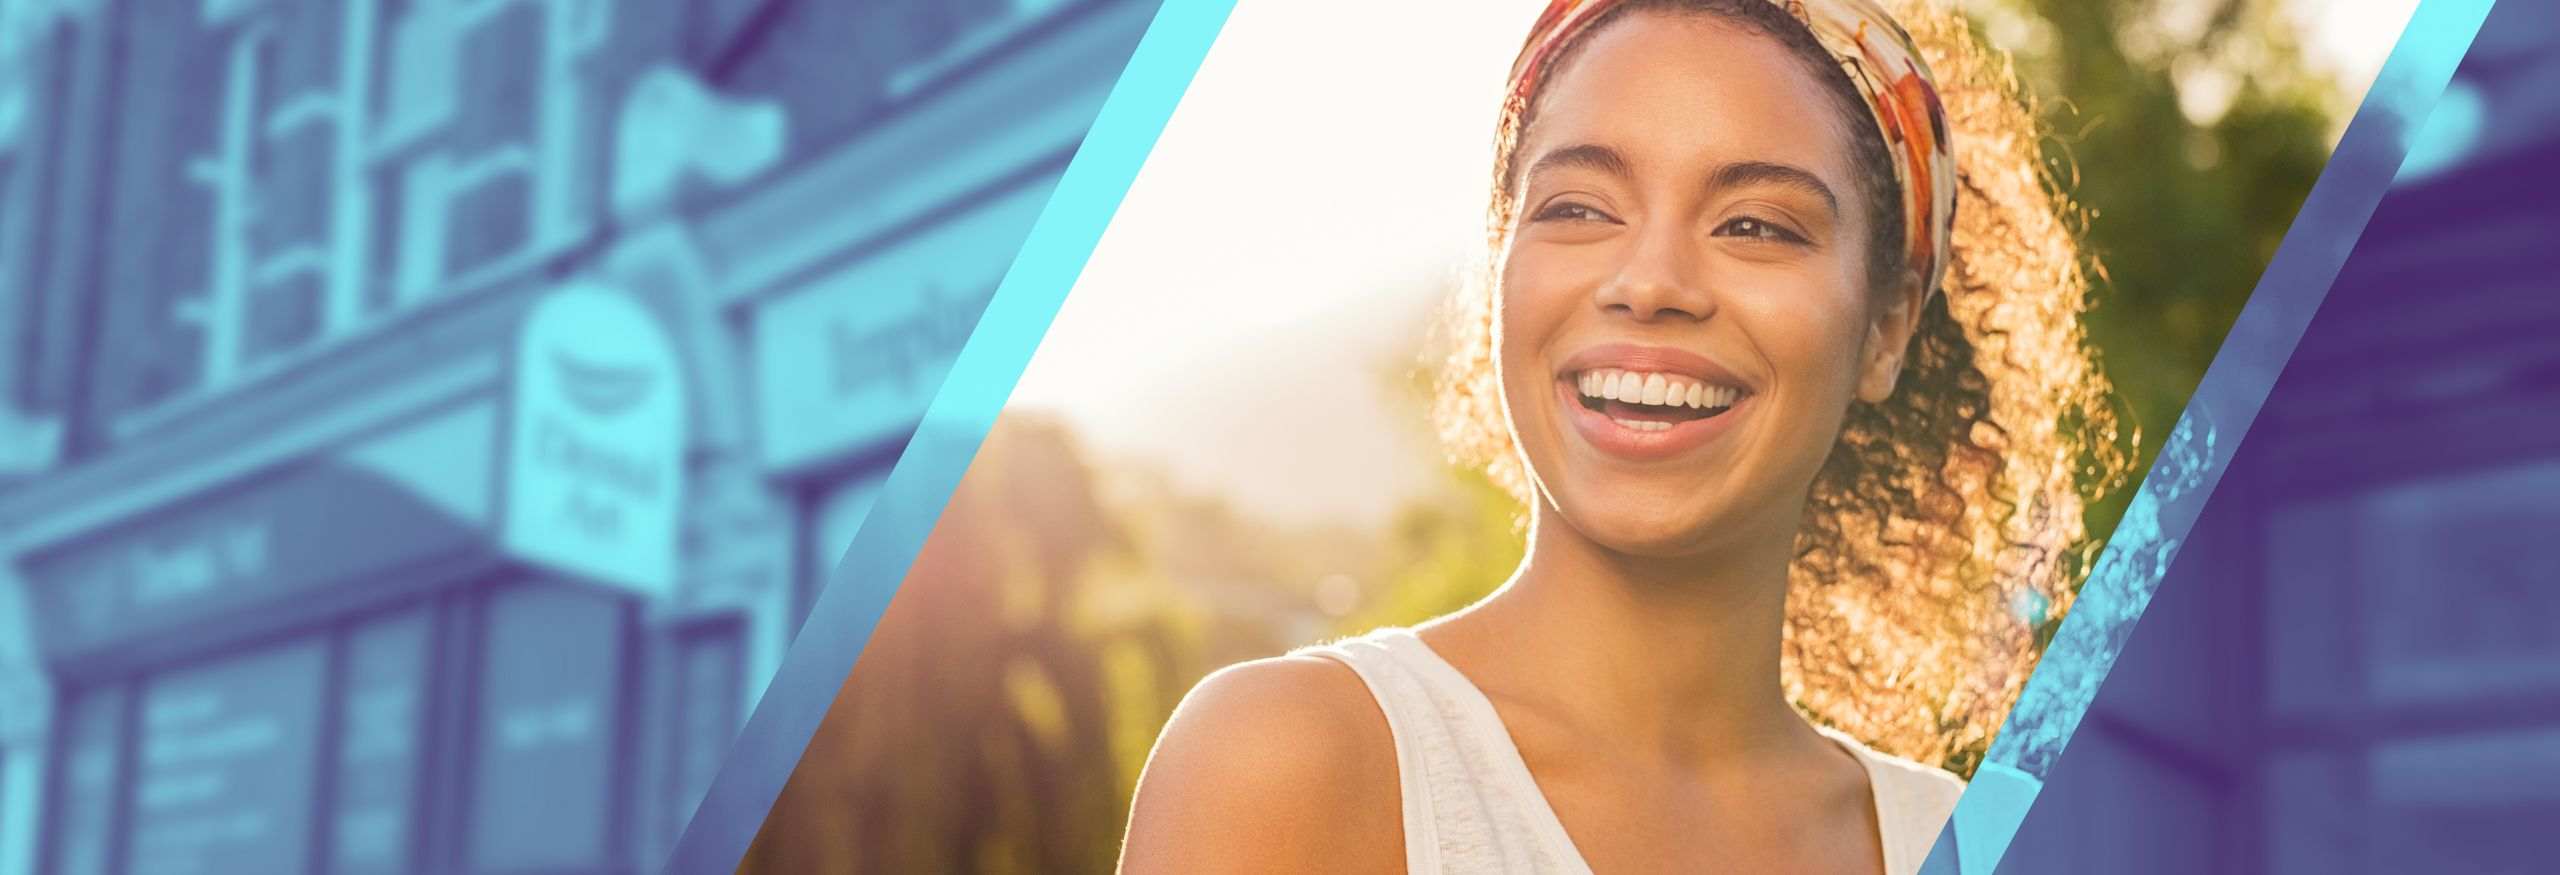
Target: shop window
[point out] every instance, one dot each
(2465, 802)
(2404, 635)
(226, 763)
(215, 764)
(544, 786)
(380, 745)
(2410, 595)
(2458, 586)
(2474, 802)
(89, 762)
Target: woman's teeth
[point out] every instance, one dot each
(1657, 390)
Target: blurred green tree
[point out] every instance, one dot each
(977, 731)
(2188, 132)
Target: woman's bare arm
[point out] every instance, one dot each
(1278, 765)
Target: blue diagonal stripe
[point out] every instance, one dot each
(952, 427)
(2191, 462)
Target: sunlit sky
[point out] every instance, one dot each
(1312, 200)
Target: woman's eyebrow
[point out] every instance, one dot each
(1742, 173)
(1588, 156)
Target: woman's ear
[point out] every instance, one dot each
(1889, 337)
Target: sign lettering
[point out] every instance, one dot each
(851, 359)
(595, 463)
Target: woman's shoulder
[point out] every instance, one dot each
(1316, 704)
(1285, 758)
(1310, 710)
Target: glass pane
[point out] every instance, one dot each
(83, 822)
(226, 765)
(379, 745)
(548, 729)
(175, 79)
(2460, 584)
(2473, 803)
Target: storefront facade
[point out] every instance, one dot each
(450, 515)
(393, 650)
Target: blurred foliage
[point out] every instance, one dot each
(2189, 132)
(975, 733)
(1000, 715)
(998, 718)
(1445, 555)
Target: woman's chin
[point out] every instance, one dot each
(1660, 549)
(1647, 536)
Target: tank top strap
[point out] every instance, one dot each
(1470, 804)
(1912, 802)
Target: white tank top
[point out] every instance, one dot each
(1470, 805)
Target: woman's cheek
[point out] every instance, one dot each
(1820, 349)
(1535, 297)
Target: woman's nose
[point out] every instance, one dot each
(1660, 278)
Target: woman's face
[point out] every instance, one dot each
(1686, 314)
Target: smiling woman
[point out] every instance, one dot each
(1798, 435)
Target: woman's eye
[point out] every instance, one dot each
(1747, 227)
(1570, 212)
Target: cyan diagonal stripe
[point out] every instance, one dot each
(2191, 463)
(918, 487)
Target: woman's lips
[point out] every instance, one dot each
(1653, 438)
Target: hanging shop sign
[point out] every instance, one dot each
(595, 450)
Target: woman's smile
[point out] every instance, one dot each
(1645, 403)
(1691, 239)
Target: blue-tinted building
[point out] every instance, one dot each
(423, 423)
(2354, 666)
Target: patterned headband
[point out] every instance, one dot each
(1881, 61)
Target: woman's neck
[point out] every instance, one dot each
(1681, 653)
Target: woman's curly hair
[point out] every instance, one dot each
(1946, 528)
